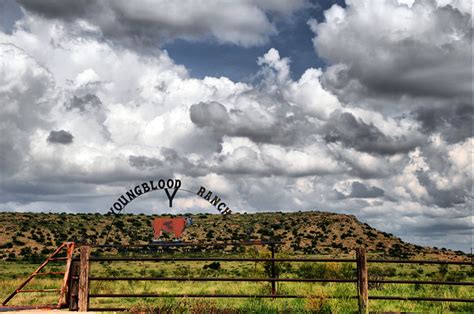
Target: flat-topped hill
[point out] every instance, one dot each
(32, 235)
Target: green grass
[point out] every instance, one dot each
(13, 273)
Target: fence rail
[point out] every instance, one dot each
(218, 279)
(81, 277)
(251, 259)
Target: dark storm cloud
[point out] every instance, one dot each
(336, 195)
(352, 132)
(259, 127)
(170, 159)
(441, 198)
(141, 24)
(143, 162)
(30, 191)
(367, 172)
(60, 9)
(443, 228)
(84, 103)
(422, 83)
(13, 149)
(455, 122)
(209, 114)
(359, 190)
(35, 192)
(251, 164)
(183, 164)
(60, 137)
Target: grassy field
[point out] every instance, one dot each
(26, 239)
(13, 272)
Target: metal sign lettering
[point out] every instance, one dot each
(214, 200)
(171, 188)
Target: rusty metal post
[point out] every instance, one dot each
(273, 269)
(63, 299)
(362, 281)
(83, 294)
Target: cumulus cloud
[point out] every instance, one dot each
(422, 50)
(151, 23)
(415, 70)
(276, 110)
(27, 93)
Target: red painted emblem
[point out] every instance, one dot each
(175, 226)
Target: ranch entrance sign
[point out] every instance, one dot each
(171, 188)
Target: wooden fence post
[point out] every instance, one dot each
(273, 270)
(83, 295)
(73, 287)
(362, 281)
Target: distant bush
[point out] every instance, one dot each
(184, 271)
(157, 272)
(398, 251)
(456, 276)
(371, 235)
(7, 245)
(443, 269)
(18, 242)
(26, 251)
(318, 302)
(319, 270)
(213, 266)
(376, 273)
(46, 251)
(280, 268)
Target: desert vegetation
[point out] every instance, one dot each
(28, 236)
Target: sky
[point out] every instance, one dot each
(357, 107)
